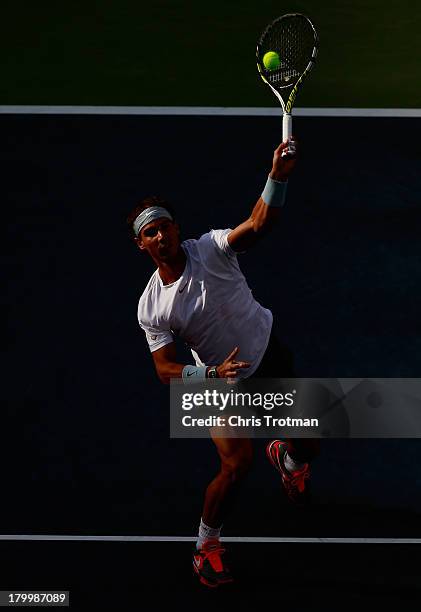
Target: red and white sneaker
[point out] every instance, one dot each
(209, 566)
(294, 482)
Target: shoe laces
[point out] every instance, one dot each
(212, 551)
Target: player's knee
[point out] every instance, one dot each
(237, 467)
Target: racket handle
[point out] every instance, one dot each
(286, 127)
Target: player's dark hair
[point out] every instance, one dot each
(146, 203)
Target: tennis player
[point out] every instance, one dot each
(199, 293)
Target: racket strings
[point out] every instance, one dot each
(292, 37)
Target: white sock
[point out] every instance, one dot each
(207, 533)
(291, 465)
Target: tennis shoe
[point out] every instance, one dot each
(294, 483)
(209, 566)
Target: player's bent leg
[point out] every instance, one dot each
(236, 455)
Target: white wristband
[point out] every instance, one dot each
(192, 373)
(274, 193)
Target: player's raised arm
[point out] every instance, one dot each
(266, 212)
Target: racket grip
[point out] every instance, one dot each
(286, 127)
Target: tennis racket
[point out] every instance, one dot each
(293, 41)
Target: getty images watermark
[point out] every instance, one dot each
(220, 401)
(298, 407)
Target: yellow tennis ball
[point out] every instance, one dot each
(271, 60)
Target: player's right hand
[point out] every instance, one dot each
(284, 160)
(229, 368)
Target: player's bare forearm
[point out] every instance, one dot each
(262, 219)
(171, 370)
(167, 367)
(166, 364)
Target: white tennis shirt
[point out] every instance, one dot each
(210, 307)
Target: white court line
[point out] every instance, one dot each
(239, 539)
(209, 111)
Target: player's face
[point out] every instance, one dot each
(160, 239)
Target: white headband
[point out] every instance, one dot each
(147, 216)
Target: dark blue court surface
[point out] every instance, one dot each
(137, 576)
(86, 446)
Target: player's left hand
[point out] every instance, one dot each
(284, 160)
